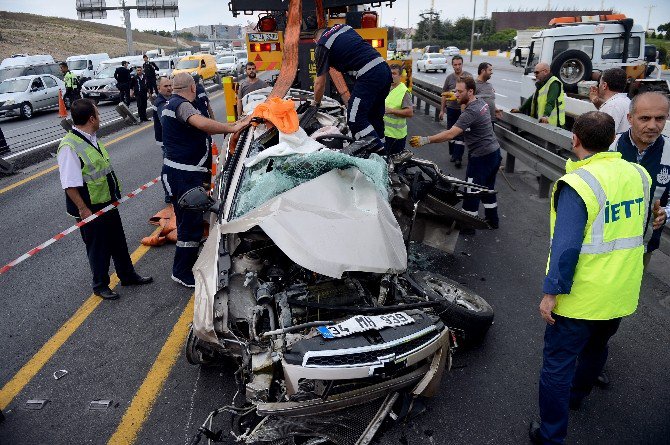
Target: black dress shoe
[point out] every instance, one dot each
(137, 280)
(458, 164)
(534, 432)
(603, 380)
(106, 294)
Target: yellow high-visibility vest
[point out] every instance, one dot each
(557, 116)
(395, 126)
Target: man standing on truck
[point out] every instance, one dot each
(252, 83)
(453, 108)
(547, 104)
(597, 214)
(609, 97)
(71, 84)
(484, 158)
(343, 49)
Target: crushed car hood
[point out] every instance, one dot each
(334, 223)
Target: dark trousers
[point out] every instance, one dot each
(124, 93)
(366, 105)
(142, 105)
(189, 223)
(72, 95)
(105, 240)
(482, 170)
(456, 145)
(394, 146)
(151, 86)
(575, 352)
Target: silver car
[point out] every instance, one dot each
(22, 96)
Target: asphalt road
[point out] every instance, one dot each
(124, 350)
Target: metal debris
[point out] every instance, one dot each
(99, 405)
(36, 404)
(60, 374)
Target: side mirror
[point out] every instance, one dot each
(90, 65)
(198, 200)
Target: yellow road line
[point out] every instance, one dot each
(37, 362)
(145, 397)
(54, 167)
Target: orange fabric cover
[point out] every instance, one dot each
(280, 112)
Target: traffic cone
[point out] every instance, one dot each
(62, 112)
(215, 161)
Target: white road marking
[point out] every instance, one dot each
(501, 95)
(513, 81)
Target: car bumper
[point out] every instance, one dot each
(436, 66)
(101, 95)
(10, 110)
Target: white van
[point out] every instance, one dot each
(24, 60)
(133, 62)
(86, 66)
(165, 64)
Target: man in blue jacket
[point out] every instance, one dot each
(645, 144)
(341, 48)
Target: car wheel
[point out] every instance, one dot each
(418, 69)
(571, 67)
(462, 310)
(26, 110)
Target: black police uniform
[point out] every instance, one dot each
(122, 76)
(150, 69)
(185, 164)
(158, 106)
(139, 85)
(342, 48)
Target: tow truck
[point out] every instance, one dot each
(579, 48)
(265, 45)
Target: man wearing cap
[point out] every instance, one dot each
(343, 49)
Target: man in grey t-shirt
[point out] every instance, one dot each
(252, 83)
(483, 148)
(485, 90)
(452, 107)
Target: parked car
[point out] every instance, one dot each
(431, 49)
(432, 62)
(451, 51)
(22, 96)
(202, 64)
(242, 58)
(103, 86)
(226, 65)
(10, 72)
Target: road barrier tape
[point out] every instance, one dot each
(77, 226)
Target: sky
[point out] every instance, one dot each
(210, 12)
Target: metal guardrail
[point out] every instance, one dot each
(429, 94)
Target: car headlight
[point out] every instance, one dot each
(10, 102)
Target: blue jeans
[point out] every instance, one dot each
(456, 145)
(575, 352)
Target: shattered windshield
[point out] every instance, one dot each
(275, 175)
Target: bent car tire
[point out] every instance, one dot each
(462, 310)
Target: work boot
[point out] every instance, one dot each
(492, 224)
(106, 294)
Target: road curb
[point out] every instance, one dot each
(46, 150)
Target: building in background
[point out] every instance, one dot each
(534, 19)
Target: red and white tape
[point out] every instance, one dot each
(81, 223)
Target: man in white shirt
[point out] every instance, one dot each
(90, 184)
(609, 97)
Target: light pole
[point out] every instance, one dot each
(472, 31)
(176, 38)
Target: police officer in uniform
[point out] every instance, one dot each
(123, 79)
(164, 93)
(598, 214)
(71, 84)
(185, 132)
(341, 48)
(90, 184)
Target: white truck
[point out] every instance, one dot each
(86, 66)
(521, 46)
(578, 51)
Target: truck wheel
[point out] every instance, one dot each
(572, 66)
(462, 310)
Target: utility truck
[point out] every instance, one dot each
(579, 49)
(520, 46)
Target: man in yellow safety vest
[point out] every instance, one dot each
(547, 104)
(598, 214)
(399, 107)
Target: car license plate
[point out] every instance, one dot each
(362, 323)
(94, 94)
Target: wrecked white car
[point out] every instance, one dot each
(303, 282)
